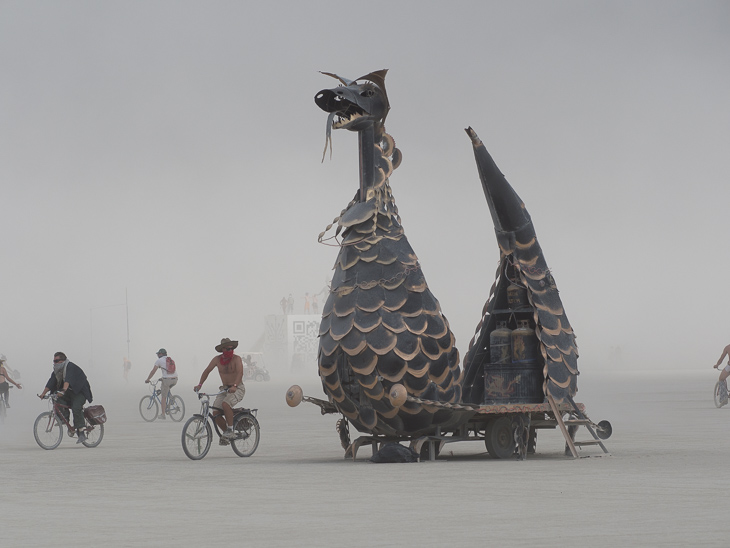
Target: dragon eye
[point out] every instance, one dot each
(367, 93)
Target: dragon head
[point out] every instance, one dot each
(354, 105)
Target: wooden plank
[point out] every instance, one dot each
(577, 422)
(559, 418)
(507, 408)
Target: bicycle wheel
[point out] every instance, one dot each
(176, 408)
(196, 437)
(94, 436)
(719, 395)
(148, 408)
(47, 431)
(247, 435)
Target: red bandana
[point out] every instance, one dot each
(226, 357)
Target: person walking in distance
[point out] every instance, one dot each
(126, 365)
(230, 369)
(167, 367)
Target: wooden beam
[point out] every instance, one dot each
(559, 419)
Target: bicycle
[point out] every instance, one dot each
(149, 406)
(721, 393)
(197, 434)
(3, 406)
(48, 427)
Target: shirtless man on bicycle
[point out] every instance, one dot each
(230, 368)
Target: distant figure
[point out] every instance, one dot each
(284, 305)
(724, 374)
(169, 378)
(127, 365)
(290, 304)
(306, 303)
(4, 378)
(230, 368)
(70, 384)
(13, 372)
(315, 306)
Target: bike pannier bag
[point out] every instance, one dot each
(95, 414)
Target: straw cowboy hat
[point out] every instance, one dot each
(224, 343)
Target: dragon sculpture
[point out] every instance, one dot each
(381, 328)
(387, 357)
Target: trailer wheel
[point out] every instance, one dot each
(499, 438)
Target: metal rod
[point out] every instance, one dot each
(126, 304)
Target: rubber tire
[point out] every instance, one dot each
(247, 425)
(94, 436)
(42, 423)
(146, 411)
(180, 414)
(194, 423)
(499, 438)
(259, 377)
(718, 403)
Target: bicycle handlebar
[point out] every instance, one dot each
(203, 394)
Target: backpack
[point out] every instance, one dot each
(170, 365)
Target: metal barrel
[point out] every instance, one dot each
(500, 344)
(525, 346)
(517, 296)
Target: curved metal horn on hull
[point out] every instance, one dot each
(521, 258)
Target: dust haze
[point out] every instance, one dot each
(172, 151)
(160, 171)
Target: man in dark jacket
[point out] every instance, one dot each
(69, 382)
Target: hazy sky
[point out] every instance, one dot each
(172, 150)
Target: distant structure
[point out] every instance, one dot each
(291, 340)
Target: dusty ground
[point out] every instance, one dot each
(662, 485)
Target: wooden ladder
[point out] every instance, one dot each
(569, 433)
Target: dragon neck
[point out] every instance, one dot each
(378, 159)
(366, 142)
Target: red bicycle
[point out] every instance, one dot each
(48, 427)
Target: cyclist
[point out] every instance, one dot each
(230, 368)
(169, 378)
(4, 378)
(724, 374)
(70, 384)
